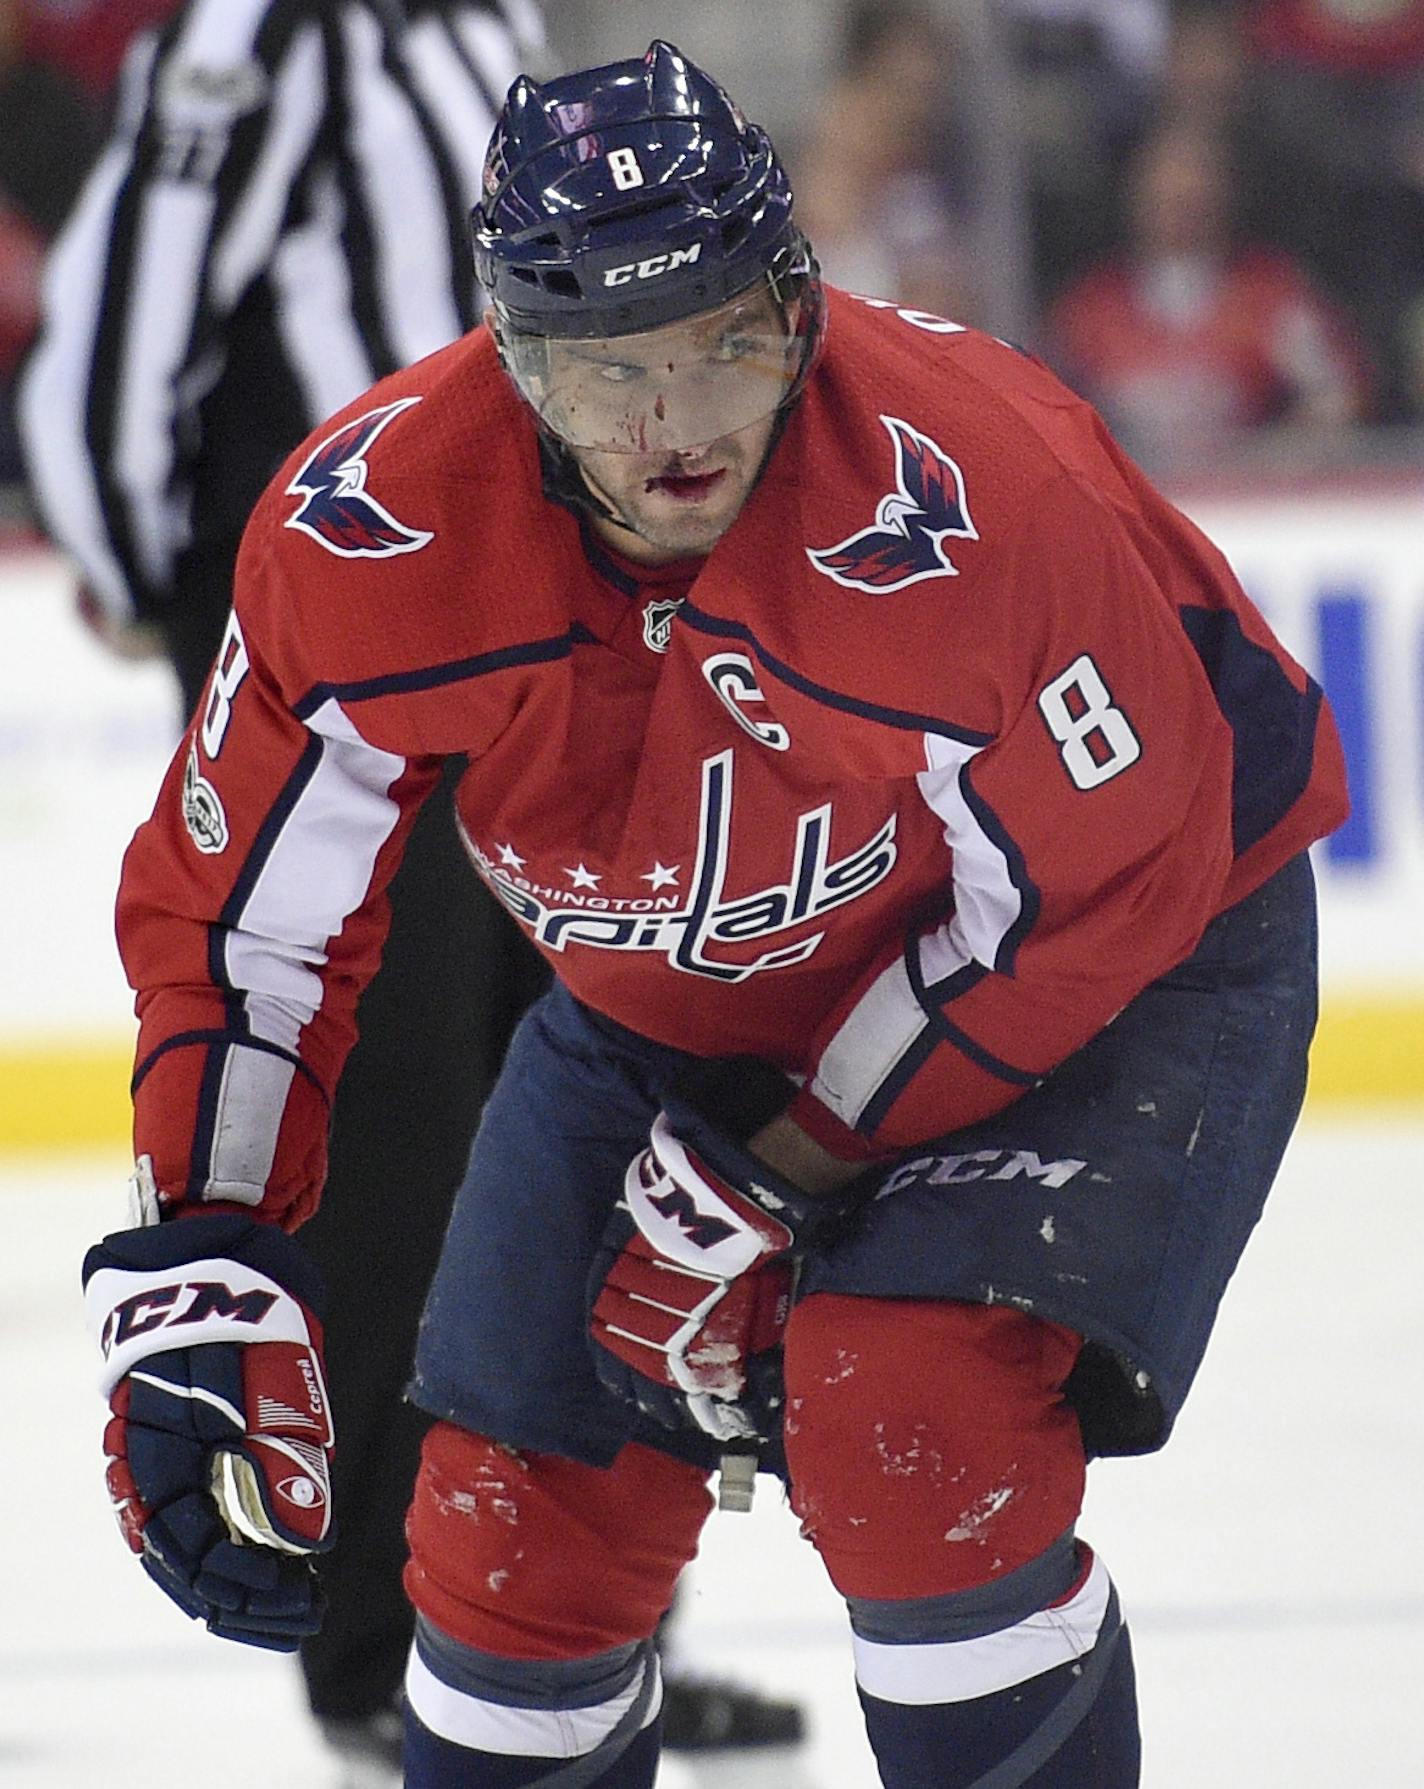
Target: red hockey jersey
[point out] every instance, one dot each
(959, 738)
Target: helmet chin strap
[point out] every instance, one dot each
(566, 482)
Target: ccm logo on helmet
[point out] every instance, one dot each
(653, 268)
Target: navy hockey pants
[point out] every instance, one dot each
(1115, 1197)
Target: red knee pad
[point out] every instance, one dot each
(531, 1556)
(929, 1446)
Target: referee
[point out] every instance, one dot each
(279, 219)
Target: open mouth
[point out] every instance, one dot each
(687, 487)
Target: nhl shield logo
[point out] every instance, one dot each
(657, 624)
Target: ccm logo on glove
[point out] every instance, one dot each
(727, 1233)
(127, 1307)
(144, 1311)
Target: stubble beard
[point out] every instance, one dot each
(681, 534)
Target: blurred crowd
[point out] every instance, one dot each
(1216, 206)
(1208, 215)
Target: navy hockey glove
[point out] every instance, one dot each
(692, 1286)
(220, 1437)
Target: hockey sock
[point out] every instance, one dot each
(1049, 1701)
(477, 1721)
(435, 1763)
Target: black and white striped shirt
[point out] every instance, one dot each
(279, 219)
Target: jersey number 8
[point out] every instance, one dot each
(1095, 739)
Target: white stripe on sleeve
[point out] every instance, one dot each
(316, 874)
(319, 870)
(883, 1024)
(251, 1098)
(889, 1019)
(281, 984)
(986, 903)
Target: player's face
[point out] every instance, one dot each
(670, 425)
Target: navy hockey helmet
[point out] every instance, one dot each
(624, 199)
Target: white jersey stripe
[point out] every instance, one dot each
(445, 86)
(158, 379)
(247, 239)
(315, 317)
(257, 968)
(492, 49)
(884, 1023)
(316, 874)
(961, 1670)
(943, 953)
(890, 1019)
(331, 228)
(52, 397)
(527, 28)
(986, 903)
(319, 870)
(173, 230)
(219, 33)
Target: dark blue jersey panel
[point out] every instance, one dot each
(1273, 723)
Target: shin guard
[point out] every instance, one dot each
(929, 1445)
(532, 1556)
(939, 1472)
(538, 1584)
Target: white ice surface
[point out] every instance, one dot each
(1270, 1560)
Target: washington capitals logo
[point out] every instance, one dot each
(337, 510)
(906, 542)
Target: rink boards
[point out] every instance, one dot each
(84, 739)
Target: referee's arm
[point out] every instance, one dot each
(186, 200)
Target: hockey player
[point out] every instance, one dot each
(914, 810)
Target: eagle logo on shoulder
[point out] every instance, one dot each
(337, 510)
(905, 543)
